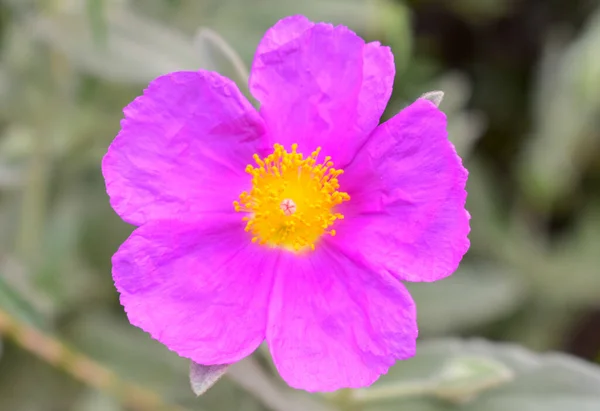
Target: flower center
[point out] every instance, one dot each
(292, 199)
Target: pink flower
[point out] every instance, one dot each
(248, 233)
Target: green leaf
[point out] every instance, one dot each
(490, 236)
(567, 273)
(473, 296)
(391, 26)
(484, 376)
(202, 377)
(60, 275)
(136, 357)
(15, 304)
(577, 255)
(566, 110)
(465, 126)
(137, 49)
(242, 23)
(462, 378)
(95, 11)
(92, 400)
(221, 57)
(464, 130)
(28, 384)
(274, 394)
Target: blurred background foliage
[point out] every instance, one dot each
(522, 84)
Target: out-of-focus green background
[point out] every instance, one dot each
(522, 84)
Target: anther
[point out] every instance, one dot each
(275, 220)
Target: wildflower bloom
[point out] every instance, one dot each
(294, 224)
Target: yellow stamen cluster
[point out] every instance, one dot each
(292, 199)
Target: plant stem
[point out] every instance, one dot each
(81, 367)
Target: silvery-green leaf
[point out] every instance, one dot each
(28, 384)
(62, 277)
(457, 90)
(11, 177)
(202, 377)
(472, 296)
(464, 130)
(435, 97)
(509, 377)
(16, 301)
(491, 234)
(391, 24)
(136, 49)
(251, 376)
(566, 110)
(462, 378)
(243, 23)
(136, 357)
(96, 16)
(221, 57)
(575, 254)
(465, 126)
(93, 400)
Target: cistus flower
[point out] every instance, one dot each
(295, 224)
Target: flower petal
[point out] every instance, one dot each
(201, 289)
(320, 85)
(182, 149)
(333, 324)
(407, 210)
(284, 31)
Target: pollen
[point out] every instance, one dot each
(292, 200)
